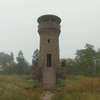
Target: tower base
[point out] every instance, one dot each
(48, 78)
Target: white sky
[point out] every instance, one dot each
(18, 24)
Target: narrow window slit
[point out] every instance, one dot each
(48, 40)
(49, 60)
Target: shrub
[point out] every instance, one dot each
(60, 83)
(36, 84)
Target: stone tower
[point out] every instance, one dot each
(49, 31)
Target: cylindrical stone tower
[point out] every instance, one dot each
(49, 31)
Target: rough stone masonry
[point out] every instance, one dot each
(49, 31)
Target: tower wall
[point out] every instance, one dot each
(49, 30)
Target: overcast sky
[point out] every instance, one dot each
(18, 24)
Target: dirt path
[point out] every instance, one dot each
(47, 95)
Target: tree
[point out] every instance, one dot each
(97, 62)
(5, 62)
(85, 59)
(4, 58)
(63, 62)
(12, 63)
(71, 67)
(22, 66)
(35, 58)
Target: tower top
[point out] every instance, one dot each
(49, 17)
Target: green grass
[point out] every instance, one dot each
(18, 88)
(14, 87)
(76, 96)
(79, 88)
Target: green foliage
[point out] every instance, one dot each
(9, 66)
(14, 87)
(8, 92)
(18, 87)
(22, 66)
(79, 88)
(85, 59)
(35, 58)
(63, 62)
(76, 96)
(36, 84)
(6, 61)
(71, 67)
(86, 62)
(60, 83)
(4, 58)
(25, 77)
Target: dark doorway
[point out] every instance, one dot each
(49, 60)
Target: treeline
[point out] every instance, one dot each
(8, 65)
(86, 62)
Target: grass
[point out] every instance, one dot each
(14, 87)
(79, 88)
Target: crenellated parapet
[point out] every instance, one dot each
(49, 23)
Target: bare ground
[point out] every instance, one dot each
(47, 95)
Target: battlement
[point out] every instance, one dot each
(49, 23)
(49, 18)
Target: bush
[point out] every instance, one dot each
(36, 84)
(60, 83)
